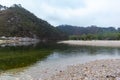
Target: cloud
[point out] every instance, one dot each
(6, 2)
(92, 12)
(74, 12)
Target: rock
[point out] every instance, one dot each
(95, 70)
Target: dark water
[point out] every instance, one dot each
(50, 55)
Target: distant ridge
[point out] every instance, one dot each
(90, 33)
(93, 29)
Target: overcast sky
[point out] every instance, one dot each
(74, 12)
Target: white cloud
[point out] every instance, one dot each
(97, 12)
(74, 12)
(6, 3)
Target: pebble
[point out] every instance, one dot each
(94, 70)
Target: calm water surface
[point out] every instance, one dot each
(38, 61)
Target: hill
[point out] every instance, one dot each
(77, 30)
(19, 22)
(90, 33)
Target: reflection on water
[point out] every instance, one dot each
(20, 56)
(19, 43)
(83, 54)
(44, 59)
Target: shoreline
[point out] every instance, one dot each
(94, 70)
(19, 42)
(104, 43)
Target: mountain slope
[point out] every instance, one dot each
(17, 21)
(75, 30)
(90, 33)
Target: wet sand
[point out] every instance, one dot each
(105, 43)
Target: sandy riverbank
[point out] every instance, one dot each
(105, 43)
(95, 70)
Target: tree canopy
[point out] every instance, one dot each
(90, 33)
(17, 21)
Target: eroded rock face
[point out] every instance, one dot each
(95, 70)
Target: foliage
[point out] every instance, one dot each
(90, 33)
(17, 21)
(75, 30)
(104, 36)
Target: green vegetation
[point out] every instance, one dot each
(90, 33)
(104, 36)
(15, 57)
(19, 22)
(22, 56)
(77, 30)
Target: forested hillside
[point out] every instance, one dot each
(19, 22)
(15, 21)
(91, 32)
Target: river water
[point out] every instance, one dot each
(42, 60)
